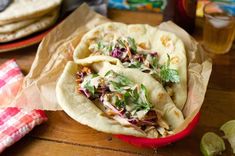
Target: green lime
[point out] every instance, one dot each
(211, 144)
(229, 130)
(228, 126)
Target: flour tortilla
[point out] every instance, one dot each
(26, 9)
(85, 111)
(11, 27)
(39, 25)
(151, 38)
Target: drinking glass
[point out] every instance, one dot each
(219, 27)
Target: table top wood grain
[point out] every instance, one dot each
(62, 136)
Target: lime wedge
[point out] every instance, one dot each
(211, 144)
(229, 130)
(228, 126)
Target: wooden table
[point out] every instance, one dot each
(61, 135)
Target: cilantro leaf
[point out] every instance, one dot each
(154, 62)
(90, 87)
(123, 80)
(99, 45)
(108, 73)
(132, 64)
(132, 44)
(94, 75)
(143, 102)
(117, 87)
(137, 98)
(169, 75)
(87, 83)
(110, 48)
(118, 78)
(127, 98)
(103, 47)
(117, 102)
(119, 41)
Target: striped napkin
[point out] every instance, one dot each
(14, 122)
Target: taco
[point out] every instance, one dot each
(158, 53)
(117, 100)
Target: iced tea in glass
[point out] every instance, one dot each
(219, 28)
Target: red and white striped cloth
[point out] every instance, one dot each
(14, 122)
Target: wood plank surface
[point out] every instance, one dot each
(61, 135)
(45, 147)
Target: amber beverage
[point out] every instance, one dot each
(219, 30)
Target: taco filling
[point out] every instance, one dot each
(136, 56)
(121, 99)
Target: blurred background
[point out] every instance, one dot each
(40, 17)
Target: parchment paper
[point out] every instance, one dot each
(38, 90)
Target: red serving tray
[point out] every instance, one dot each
(160, 142)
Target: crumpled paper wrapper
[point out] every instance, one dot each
(38, 90)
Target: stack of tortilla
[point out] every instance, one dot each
(24, 17)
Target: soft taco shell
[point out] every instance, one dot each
(85, 111)
(82, 109)
(148, 37)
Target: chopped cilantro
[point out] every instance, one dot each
(110, 47)
(90, 87)
(94, 75)
(87, 83)
(124, 93)
(99, 45)
(103, 47)
(117, 87)
(167, 74)
(154, 62)
(118, 78)
(119, 41)
(132, 44)
(108, 73)
(131, 95)
(138, 98)
(132, 64)
(127, 98)
(119, 103)
(143, 103)
(143, 93)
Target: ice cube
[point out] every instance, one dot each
(220, 21)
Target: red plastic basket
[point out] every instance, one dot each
(160, 142)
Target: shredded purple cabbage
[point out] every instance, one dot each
(139, 57)
(133, 121)
(141, 122)
(81, 74)
(146, 122)
(117, 52)
(153, 54)
(85, 92)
